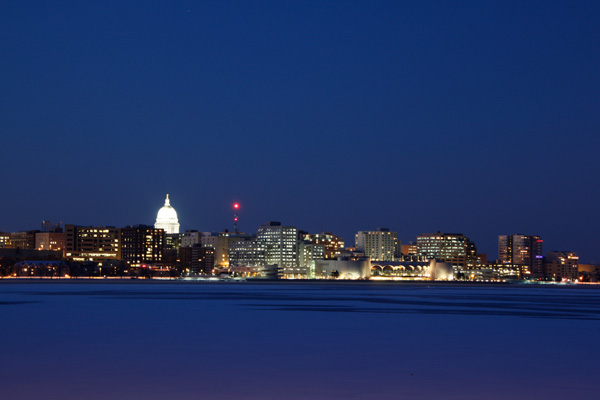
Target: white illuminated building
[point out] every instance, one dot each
(166, 218)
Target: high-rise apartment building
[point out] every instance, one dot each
(453, 248)
(142, 244)
(524, 251)
(92, 243)
(379, 245)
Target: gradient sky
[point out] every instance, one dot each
(476, 117)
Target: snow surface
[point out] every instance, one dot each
(297, 340)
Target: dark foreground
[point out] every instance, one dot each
(175, 340)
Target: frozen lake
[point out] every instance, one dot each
(286, 340)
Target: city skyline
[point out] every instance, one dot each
(478, 118)
(236, 209)
(410, 191)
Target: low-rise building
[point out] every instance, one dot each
(50, 241)
(561, 266)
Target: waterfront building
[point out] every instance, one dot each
(248, 252)
(281, 244)
(166, 218)
(221, 242)
(197, 259)
(142, 244)
(589, 272)
(523, 250)
(453, 248)
(378, 245)
(561, 266)
(308, 254)
(345, 266)
(92, 243)
(334, 245)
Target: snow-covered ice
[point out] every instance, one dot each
(297, 340)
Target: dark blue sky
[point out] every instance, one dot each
(475, 117)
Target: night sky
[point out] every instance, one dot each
(474, 117)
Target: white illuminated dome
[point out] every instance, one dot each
(167, 218)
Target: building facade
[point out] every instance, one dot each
(92, 243)
(281, 245)
(23, 239)
(334, 245)
(250, 252)
(522, 250)
(561, 266)
(142, 244)
(379, 245)
(197, 259)
(166, 219)
(453, 248)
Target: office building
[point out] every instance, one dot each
(281, 244)
(92, 243)
(248, 252)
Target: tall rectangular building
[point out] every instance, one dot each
(92, 243)
(142, 244)
(281, 245)
(524, 251)
(379, 245)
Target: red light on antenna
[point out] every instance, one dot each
(236, 205)
(235, 219)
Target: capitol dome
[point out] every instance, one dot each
(167, 218)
